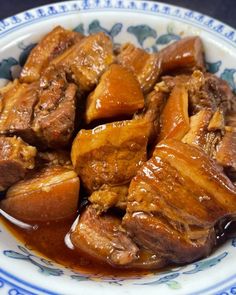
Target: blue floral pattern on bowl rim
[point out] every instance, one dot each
(13, 285)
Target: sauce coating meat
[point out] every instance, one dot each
(129, 157)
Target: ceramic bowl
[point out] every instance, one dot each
(150, 25)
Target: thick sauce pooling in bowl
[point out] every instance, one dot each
(48, 240)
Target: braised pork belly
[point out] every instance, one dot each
(48, 194)
(175, 202)
(110, 153)
(52, 45)
(137, 148)
(87, 60)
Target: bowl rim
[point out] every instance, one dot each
(178, 13)
(40, 13)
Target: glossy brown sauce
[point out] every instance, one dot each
(49, 240)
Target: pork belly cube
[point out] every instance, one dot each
(110, 153)
(174, 118)
(42, 113)
(145, 66)
(117, 94)
(54, 114)
(86, 61)
(16, 110)
(175, 202)
(16, 159)
(49, 194)
(101, 237)
(52, 45)
(186, 53)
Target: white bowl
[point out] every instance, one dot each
(150, 25)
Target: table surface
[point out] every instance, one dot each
(224, 10)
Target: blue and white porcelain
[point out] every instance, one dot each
(152, 26)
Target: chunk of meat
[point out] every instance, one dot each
(117, 94)
(102, 238)
(169, 245)
(110, 153)
(41, 113)
(16, 158)
(54, 114)
(205, 91)
(109, 196)
(230, 119)
(186, 53)
(54, 157)
(145, 66)
(226, 154)
(206, 130)
(154, 104)
(174, 118)
(198, 128)
(49, 194)
(220, 91)
(175, 201)
(52, 45)
(87, 60)
(17, 109)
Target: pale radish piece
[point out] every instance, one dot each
(117, 94)
(50, 194)
(174, 118)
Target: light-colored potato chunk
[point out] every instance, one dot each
(117, 94)
(50, 194)
(110, 153)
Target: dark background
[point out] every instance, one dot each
(224, 10)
